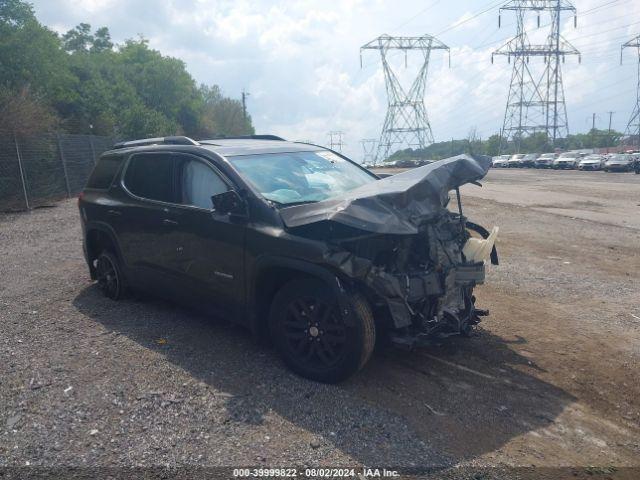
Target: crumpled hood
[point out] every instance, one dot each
(397, 204)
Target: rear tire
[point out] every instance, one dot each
(311, 335)
(109, 275)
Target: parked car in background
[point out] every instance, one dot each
(529, 160)
(619, 163)
(545, 160)
(567, 160)
(591, 162)
(406, 163)
(516, 160)
(501, 161)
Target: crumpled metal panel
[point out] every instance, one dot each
(394, 205)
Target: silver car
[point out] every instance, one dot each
(566, 160)
(501, 161)
(619, 163)
(591, 162)
(545, 160)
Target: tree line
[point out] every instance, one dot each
(81, 82)
(538, 143)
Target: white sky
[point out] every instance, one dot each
(299, 59)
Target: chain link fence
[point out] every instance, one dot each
(40, 169)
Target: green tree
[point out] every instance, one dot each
(78, 39)
(93, 86)
(101, 40)
(16, 13)
(41, 65)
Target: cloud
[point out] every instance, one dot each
(299, 59)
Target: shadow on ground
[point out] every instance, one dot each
(434, 407)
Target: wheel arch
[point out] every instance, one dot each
(99, 237)
(272, 273)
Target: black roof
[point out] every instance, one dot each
(229, 147)
(247, 145)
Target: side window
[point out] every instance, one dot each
(150, 176)
(103, 173)
(197, 183)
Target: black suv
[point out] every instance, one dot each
(290, 239)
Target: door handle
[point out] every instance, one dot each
(168, 221)
(114, 213)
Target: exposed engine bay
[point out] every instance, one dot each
(415, 258)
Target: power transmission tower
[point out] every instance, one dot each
(369, 149)
(536, 101)
(335, 141)
(406, 122)
(633, 126)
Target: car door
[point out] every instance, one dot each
(148, 225)
(212, 256)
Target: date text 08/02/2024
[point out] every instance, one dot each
(314, 473)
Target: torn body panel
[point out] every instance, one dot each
(405, 248)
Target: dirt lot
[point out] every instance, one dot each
(551, 378)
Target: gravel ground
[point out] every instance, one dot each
(549, 380)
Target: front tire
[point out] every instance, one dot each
(312, 335)
(109, 275)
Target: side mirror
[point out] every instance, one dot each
(229, 203)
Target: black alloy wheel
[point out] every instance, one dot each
(314, 332)
(313, 336)
(108, 275)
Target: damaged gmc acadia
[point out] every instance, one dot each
(292, 240)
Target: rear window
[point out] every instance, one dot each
(104, 172)
(150, 176)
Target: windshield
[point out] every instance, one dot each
(619, 158)
(569, 155)
(300, 177)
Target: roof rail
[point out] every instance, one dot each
(248, 137)
(175, 140)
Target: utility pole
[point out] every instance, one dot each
(335, 141)
(609, 131)
(633, 126)
(593, 131)
(244, 105)
(406, 123)
(535, 102)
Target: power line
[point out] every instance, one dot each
(417, 15)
